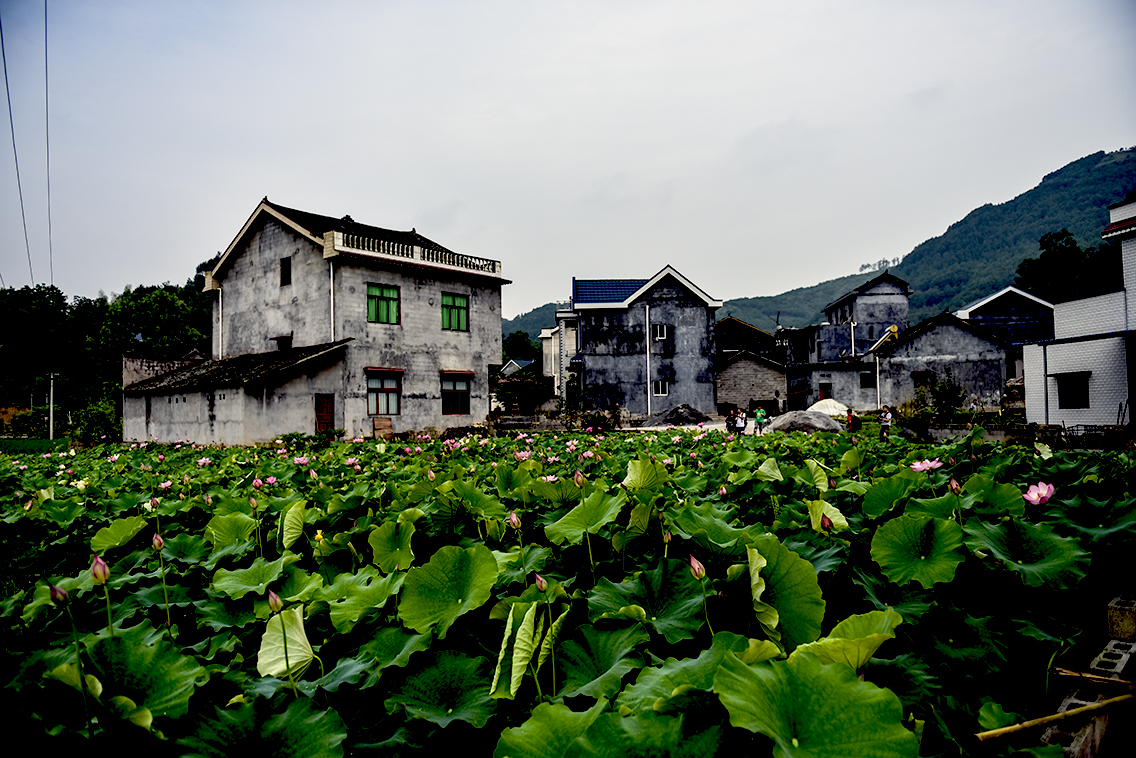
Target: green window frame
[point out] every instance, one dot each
(382, 304)
(455, 312)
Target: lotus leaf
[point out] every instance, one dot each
(284, 647)
(810, 709)
(154, 676)
(300, 731)
(352, 595)
(594, 662)
(644, 736)
(1032, 551)
(390, 544)
(453, 582)
(645, 474)
(855, 639)
(883, 495)
(549, 732)
(256, 578)
(669, 599)
(117, 534)
(454, 688)
(792, 589)
(598, 509)
(920, 549)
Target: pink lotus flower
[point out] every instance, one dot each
(1039, 493)
(697, 570)
(100, 571)
(270, 480)
(157, 542)
(541, 583)
(203, 462)
(166, 485)
(300, 460)
(513, 520)
(257, 483)
(926, 465)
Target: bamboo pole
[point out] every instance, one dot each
(995, 733)
(1094, 678)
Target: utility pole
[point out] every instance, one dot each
(51, 406)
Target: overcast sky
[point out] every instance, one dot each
(755, 146)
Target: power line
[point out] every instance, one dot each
(15, 155)
(47, 140)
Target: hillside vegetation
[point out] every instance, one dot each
(975, 257)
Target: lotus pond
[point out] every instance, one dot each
(685, 592)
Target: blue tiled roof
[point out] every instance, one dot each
(604, 290)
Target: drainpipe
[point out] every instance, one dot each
(331, 279)
(1045, 380)
(647, 342)
(877, 381)
(852, 334)
(221, 321)
(51, 406)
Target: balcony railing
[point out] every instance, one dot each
(335, 242)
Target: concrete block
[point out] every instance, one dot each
(1122, 618)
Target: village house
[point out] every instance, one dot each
(322, 323)
(748, 373)
(643, 346)
(1084, 374)
(1014, 317)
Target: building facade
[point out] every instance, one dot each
(323, 323)
(642, 345)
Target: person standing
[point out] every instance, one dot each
(759, 419)
(885, 423)
(740, 422)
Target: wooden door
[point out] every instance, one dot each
(325, 413)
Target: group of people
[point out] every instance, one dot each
(885, 419)
(737, 420)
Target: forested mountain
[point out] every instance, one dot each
(975, 257)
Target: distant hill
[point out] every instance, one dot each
(975, 257)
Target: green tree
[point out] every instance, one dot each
(1066, 271)
(518, 347)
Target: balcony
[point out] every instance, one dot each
(338, 243)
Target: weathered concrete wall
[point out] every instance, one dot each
(975, 363)
(745, 380)
(138, 369)
(256, 308)
(1107, 359)
(417, 344)
(613, 345)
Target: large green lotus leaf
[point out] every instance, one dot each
(509, 480)
(525, 645)
(655, 685)
(549, 733)
(390, 647)
(739, 458)
(62, 512)
(709, 519)
(155, 676)
(561, 491)
(813, 473)
(920, 549)
(454, 688)
(42, 595)
(594, 662)
(645, 474)
(299, 585)
(999, 499)
(390, 544)
(454, 582)
(292, 525)
(256, 578)
(855, 639)
(598, 509)
(1031, 550)
(353, 594)
(818, 508)
(810, 709)
(510, 568)
(477, 501)
(185, 547)
(882, 496)
(284, 646)
(940, 507)
(234, 528)
(119, 532)
(852, 459)
(669, 599)
(643, 736)
(253, 729)
(219, 614)
(791, 588)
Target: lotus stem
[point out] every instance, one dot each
(705, 608)
(110, 620)
(591, 560)
(287, 666)
(79, 664)
(166, 597)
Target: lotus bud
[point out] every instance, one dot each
(831, 483)
(722, 491)
(252, 502)
(513, 520)
(954, 486)
(825, 522)
(100, 571)
(58, 595)
(153, 503)
(697, 570)
(667, 537)
(951, 460)
(275, 604)
(157, 543)
(541, 583)
(578, 479)
(430, 474)
(209, 500)
(312, 473)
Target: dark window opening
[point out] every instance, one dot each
(867, 380)
(455, 312)
(1073, 389)
(285, 271)
(924, 379)
(382, 304)
(455, 395)
(825, 390)
(325, 413)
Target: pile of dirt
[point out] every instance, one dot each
(680, 415)
(803, 421)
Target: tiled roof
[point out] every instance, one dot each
(604, 290)
(942, 319)
(886, 276)
(317, 225)
(239, 371)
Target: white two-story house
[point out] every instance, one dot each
(325, 323)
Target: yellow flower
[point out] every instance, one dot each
(319, 535)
